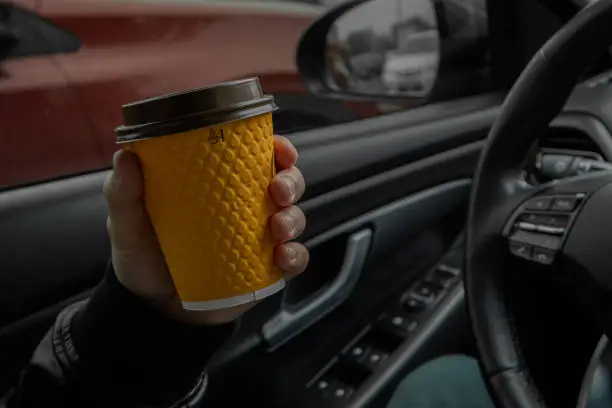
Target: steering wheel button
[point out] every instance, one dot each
(532, 218)
(527, 226)
(543, 256)
(521, 250)
(557, 220)
(539, 203)
(553, 220)
(536, 239)
(550, 230)
(565, 204)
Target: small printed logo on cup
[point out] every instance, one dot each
(215, 137)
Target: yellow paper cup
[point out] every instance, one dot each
(207, 157)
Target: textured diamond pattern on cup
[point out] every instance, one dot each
(209, 206)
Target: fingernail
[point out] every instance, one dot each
(291, 185)
(291, 254)
(290, 221)
(116, 157)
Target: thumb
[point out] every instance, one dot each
(129, 225)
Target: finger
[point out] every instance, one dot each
(128, 223)
(292, 258)
(287, 224)
(287, 187)
(285, 153)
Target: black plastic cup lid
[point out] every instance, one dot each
(183, 111)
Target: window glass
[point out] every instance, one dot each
(78, 61)
(407, 53)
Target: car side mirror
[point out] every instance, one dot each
(397, 51)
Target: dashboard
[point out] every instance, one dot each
(579, 140)
(573, 144)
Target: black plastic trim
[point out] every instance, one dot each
(288, 323)
(340, 155)
(589, 125)
(384, 226)
(453, 302)
(329, 210)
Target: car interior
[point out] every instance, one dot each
(442, 227)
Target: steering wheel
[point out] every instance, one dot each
(563, 228)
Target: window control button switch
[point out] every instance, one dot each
(399, 322)
(413, 305)
(425, 290)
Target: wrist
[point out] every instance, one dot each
(125, 343)
(164, 300)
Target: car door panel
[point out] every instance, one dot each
(292, 367)
(55, 243)
(328, 210)
(374, 233)
(339, 155)
(410, 192)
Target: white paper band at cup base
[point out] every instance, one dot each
(235, 300)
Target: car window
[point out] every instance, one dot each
(77, 61)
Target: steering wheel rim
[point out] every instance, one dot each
(499, 190)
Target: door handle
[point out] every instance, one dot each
(288, 323)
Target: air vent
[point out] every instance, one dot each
(568, 139)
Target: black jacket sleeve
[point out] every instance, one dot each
(115, 350)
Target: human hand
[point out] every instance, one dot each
(137, 257)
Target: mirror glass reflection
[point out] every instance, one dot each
(388, 47)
